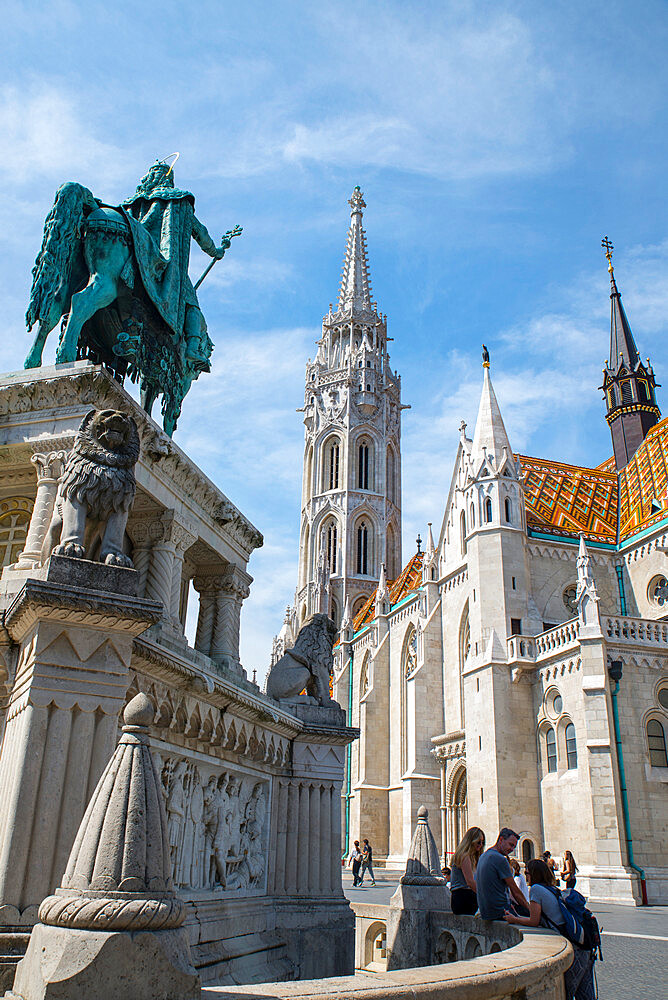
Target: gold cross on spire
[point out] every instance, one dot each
(608, 247)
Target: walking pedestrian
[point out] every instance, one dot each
(367, 862)
(355, 862)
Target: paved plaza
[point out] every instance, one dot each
(635, 943)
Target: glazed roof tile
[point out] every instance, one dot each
(563, 499)
(643, 484)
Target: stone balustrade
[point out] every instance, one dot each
(558, 638)
(635, 631)
(521, 647)
(532, 969)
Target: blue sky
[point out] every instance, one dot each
(495, 143)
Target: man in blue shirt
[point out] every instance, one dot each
(494, 878)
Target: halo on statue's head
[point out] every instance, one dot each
(172, 164)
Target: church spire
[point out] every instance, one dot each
(627, 382)
(355, 289)
(490, 440)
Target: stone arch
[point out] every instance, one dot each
(307, 485)
(331, 463)
(364, 538)
(358, 604)
(472, 949)
(457, 805)
(391, 474)
(495, 948)
(445, 949)
(375, 946)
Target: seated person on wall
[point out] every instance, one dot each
(463, 894)
(494, 879)
(545, 910)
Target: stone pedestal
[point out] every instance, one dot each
(63, 963)
(73, 630)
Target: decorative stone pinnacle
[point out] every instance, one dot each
(423, 866)
(357, 202)
(118, 876)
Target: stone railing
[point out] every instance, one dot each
(557, 639)
(532, 969)
(521, 647)
(636, 631)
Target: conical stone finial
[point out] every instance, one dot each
(118, 876)
(423, 866)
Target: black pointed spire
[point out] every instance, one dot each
(627, 382)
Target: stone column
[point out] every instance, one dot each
(139, 532)
(170, 537)
(74, 646)
(49, 469)
(234, 589)
(206, 587)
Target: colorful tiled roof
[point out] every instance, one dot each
(409, 581)
(563, 499)
(643, 484)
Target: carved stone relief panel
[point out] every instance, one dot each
(217, 823)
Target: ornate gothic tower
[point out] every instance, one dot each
(351, 493)
(628, 383)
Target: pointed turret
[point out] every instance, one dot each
(490, 440)
(355, 289)
(382, 594)
(628, 383)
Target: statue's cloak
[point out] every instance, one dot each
(161, 226)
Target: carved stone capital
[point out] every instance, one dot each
(236, 583)
(48, 465)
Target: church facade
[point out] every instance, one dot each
(515, 673)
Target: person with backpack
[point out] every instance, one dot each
(549, 909)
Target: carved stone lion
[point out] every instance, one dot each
(96, 490)
(307, 665)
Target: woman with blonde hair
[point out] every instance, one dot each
(463, 895)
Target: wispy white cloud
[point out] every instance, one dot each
(48, 132)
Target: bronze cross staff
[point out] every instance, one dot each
(224, 245)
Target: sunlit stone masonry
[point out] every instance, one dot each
(251, 785)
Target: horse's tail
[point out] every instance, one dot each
(51, 275)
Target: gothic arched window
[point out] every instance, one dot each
(363, 465)
(331, 540)
(551, 750)
(364, 676)
(472, 516)
(462, 532)
(333, 465)
(464, 638)
(656, 739)
(508, 510)
(410, 653)
(390, 475)
(571, 747)
(627, 391)
(488, 510)
(362, 548)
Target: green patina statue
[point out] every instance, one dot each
(117, 276)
